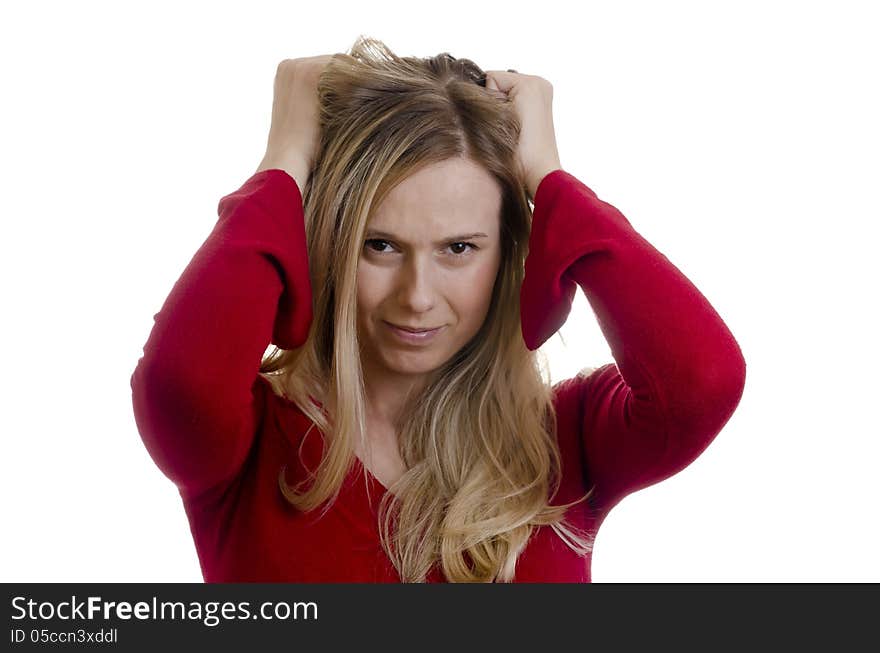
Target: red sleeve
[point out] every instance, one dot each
(679, 372)
(196, 390)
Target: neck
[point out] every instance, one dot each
(386, 395)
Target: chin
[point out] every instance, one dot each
(415, 362)
(412, 367)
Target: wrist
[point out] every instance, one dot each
(293, 166)
(537, 178)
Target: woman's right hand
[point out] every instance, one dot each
(295, 132)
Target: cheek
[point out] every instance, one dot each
(370, 288)
(474, 290)
(366, 303)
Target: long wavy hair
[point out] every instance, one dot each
(479, 442)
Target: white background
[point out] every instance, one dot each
(740, 139)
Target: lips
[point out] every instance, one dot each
(411, 330)
(415, 338)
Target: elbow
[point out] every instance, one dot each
(168, 423)
(154, 418)
(720, 391)
(703, 404)
(728, 380)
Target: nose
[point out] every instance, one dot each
(416, 286)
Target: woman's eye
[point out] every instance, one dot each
(465, 251)
(459, 249)
(382, 243)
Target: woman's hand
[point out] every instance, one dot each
(295, 133)
(533, 100)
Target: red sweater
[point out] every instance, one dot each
(216, 429)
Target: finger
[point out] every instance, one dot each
(500, 80)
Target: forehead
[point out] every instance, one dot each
(441, 199)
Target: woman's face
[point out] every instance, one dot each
(429, 261)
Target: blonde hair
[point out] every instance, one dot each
(479, 442)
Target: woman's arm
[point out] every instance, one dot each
(679, 372)
(195, 391)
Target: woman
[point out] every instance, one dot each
(396, 195)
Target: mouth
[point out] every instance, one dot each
(412, 336)
(412, 329)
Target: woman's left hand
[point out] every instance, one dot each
(532, 97)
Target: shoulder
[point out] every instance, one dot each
(286, 414)
(569, 398)
(572, 390)
(274, 390)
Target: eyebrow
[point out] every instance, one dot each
(373, 233)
